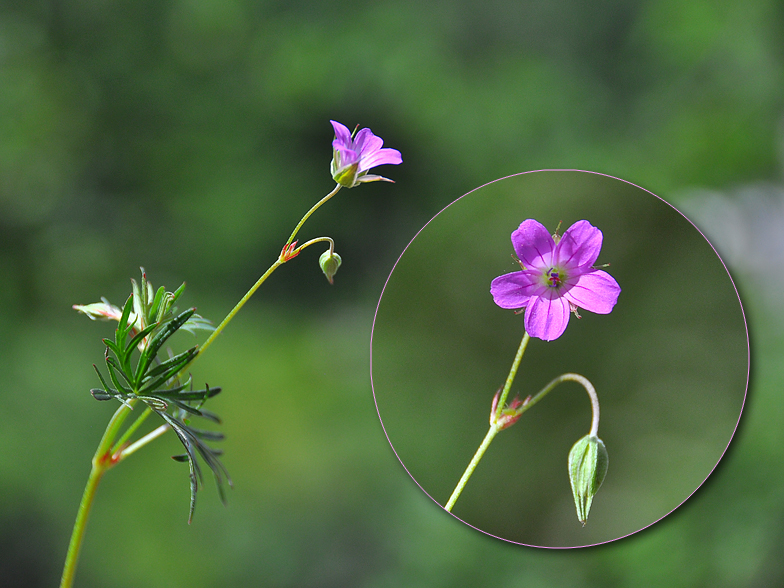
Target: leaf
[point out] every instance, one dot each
(193, 444)
(168, 369)
(158, 340)
(156, 304)
(99, 394)
(121, 332)
(134, 343)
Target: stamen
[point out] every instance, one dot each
(554, 277)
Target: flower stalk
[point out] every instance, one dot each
(557, 277)
(157, 382)
(502, 418)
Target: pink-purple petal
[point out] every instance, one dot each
(509, 290)
(342, 134)
(347, 156)
(380, 157)
(533, 244)
(579, 246)
(546, 317)
(366, 142)
(595, 291)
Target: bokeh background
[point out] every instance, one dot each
(188, 136)
(670, 364)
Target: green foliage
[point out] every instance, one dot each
(158, 383)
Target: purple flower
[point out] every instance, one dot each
(557, 278)
(353, 156)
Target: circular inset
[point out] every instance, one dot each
(669, 363)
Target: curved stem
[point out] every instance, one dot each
(472, 466)
(280, 261)
(317, 240)
(496, 425)
(311, 211)
(72, 557)
(574, 378)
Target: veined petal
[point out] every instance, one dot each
(533, 244)
(595, 291)
(380, 157)
(546, 316)
(579, 246)
(342, 135)
(366, 142)
(509, 290)
(346, 155)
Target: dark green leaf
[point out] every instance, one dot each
(99, 394)
(133, 343)
(158, 340)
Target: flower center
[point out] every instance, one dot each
(554, 277)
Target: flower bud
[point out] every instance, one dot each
(330, 262)
(587, 468)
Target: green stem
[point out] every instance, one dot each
(107, 454)
(573, 378)
(472, 466)
(311, 211)
(496, 425)
(318, 240)
(236, 309)
(512, 373)
(102, 461)
(280, 261)
(138, 444)
(132, 429)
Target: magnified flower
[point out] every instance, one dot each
(353, 156)
(557, 278)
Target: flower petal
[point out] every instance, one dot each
(595, 291)
(367, 143)
(380, 157)
(342, 135)
(533, 244)
(579, 246)
(546, 316)
(509, 290)
(346, 156)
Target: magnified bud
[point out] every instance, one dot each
(587, 468)
(330, 262)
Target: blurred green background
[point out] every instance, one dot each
(189, 136)
(670, 363)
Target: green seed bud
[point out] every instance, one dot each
(587, 468)
(330, 264)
